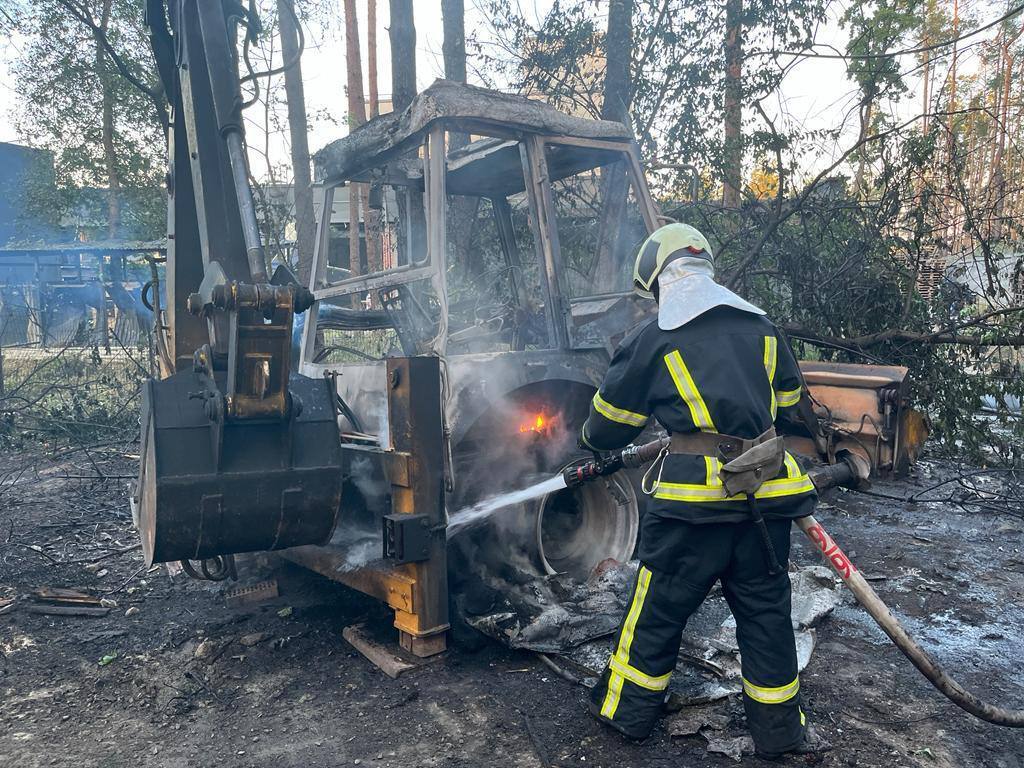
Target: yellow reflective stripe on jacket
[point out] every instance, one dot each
(773, 489)
(779, 695)
(712, 466)
(792, 468)
(793, 483)
(688, 391)
(616, 679)
(619, 415)
(787, 398)
(635, 676)
(771, 360)
(690, 492)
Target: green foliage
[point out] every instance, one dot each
(60, 80)
(842, 262)
(70, 397)
(841, 267)
(680, 72)
(876, 28)
(559, 58)
(677, 72)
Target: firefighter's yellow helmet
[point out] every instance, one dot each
(666, 244)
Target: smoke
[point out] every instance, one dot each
(505, 450)
(502, 454)
(379, 417)
(371, 486)
(358, 533)
(501, 466)
(362, 548)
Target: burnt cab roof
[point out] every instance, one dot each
(486, 166)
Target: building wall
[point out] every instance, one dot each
(20, 168)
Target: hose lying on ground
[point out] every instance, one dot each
(919, 657)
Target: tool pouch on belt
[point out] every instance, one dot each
(748, 471)
(747, 465)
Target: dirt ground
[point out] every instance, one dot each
(173, 677)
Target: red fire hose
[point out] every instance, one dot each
(919, 657)
(827, 477)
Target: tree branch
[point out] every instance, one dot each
(155, 95)
(781, 216)
(951, 334)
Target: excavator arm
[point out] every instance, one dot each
(238, 452)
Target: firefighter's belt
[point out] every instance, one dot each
(749, 462)
(713, 444)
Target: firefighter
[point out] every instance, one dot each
(716, 374)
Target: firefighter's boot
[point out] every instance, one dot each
(813, 743)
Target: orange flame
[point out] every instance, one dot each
(538, 423)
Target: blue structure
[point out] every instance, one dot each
(48, 292)
(21, 169)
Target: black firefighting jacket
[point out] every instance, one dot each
(726, 371)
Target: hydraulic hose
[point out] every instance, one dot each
(845, 473)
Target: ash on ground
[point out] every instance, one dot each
(577, 620)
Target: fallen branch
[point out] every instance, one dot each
(107, 556)
(899, 334)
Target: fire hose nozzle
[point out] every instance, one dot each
(591, 469)
(630, 457)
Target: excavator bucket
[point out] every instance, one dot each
(212, 486)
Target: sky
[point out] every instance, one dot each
(816, 93)
(323, 70)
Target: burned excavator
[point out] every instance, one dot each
(453, 334)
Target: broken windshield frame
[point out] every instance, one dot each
(505, 170)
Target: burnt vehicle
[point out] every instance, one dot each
(518, 276)
(455, 335)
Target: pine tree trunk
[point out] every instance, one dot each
(732, 154)
(371, 57)
(403, 54)
(926, 81)
(462, 211)
(454, 50)
(618, 49)
(107, 128)
(356, 117)
(305, 223)
(375, 196)
(353, 67)
(953, 205)
(402, 34)
(454, 45)
(999, 177)
(952, 65)
(616, 100)
(862, 161)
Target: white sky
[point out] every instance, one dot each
(323, 70)
(816, 93)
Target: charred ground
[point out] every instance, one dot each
(188, 681)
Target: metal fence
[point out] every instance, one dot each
(29, 318)
(81, 392)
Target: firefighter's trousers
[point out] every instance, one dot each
(679, 564)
